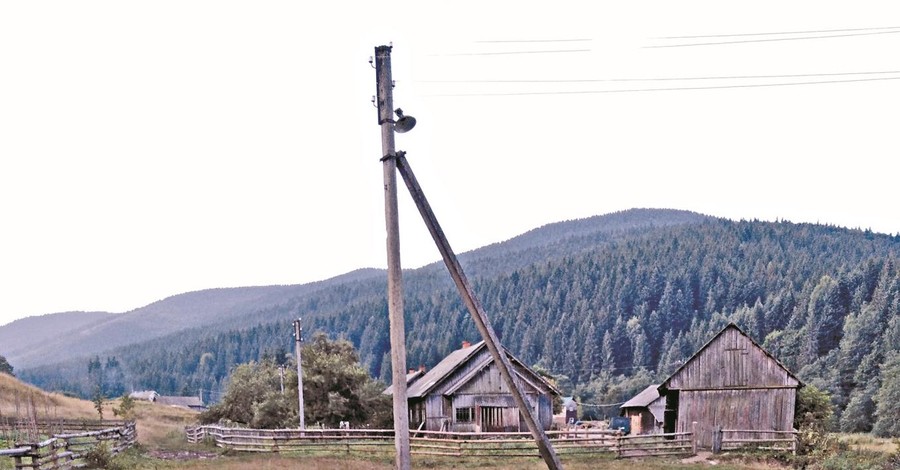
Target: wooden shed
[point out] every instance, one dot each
(646, 411)
(466, 393)
(734, 384)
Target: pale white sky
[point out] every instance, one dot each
(153, 148)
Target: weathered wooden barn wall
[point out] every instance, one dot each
(746, 409)
(734, 384)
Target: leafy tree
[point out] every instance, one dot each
(335, 388)
(97, 399)
(814, 409)
(5, 367)
(126, 406)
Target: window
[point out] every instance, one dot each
(465, 415)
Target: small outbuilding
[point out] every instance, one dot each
(466, 393)
(646, 411)
(731, 383)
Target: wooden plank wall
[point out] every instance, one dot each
(760, 409)
(731, 360)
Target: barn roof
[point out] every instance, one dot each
(186, 402)
(457, 359)
(703, 348)
(643, 399)
(410, 378)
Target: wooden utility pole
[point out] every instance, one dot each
(298, 338)
(478, 314)
(385, 103)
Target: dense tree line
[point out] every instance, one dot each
(610, 319)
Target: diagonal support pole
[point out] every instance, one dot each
(478, 313)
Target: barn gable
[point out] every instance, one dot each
(731, 360)
(733, 384)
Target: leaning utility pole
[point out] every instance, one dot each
(298, 338)
(385, 104)
(478, 314)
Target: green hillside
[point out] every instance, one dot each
(599, 306)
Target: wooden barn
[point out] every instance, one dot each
(646, 411)
(734, 384)
(466, 393)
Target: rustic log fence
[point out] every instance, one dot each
(734, 439)
(67, 444)
(439, 443)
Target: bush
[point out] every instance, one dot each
(101, 457)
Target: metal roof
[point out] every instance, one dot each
(450, 363)
(643, 399)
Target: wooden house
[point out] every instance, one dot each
(646, 411)
(466, 393)
(731, 383)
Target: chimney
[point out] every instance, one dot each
(466, 344)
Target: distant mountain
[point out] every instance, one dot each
(18, 336)
(43, 340)
(218, 309)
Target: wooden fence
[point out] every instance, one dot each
(455, 444)
(732, 439)
(68, 443)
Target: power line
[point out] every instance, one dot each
(531, 40)
(639, 90)
(594, 405)
(781, 32)
(770, 40)
(510, 52)
(597, 80)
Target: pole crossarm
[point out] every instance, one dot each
(478, 314)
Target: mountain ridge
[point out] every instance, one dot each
(230, 306)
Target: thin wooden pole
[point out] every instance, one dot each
(395, 285)
(298, 338)
(478, 314)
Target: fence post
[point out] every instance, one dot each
(717, 439)
(694, 438)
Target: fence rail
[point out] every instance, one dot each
(733, 439)
(66, 447)
(455, 444)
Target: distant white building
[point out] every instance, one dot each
(145, 395)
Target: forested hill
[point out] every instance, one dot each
(39, 340)
(824, 300)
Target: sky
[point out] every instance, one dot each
(153, 148)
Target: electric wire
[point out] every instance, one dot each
(769, 40)
(780, 32)
(727, 77)
(559, 51)
(644, 90)
(531, 40)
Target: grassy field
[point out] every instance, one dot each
(357, 462)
